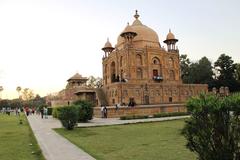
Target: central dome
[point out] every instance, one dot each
(145, 34)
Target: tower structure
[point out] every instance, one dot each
(107, 48)
(171, 42)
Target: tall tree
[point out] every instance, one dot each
(225, 66)
(18, 89)
(94, 82)
(198, 72)
(237, 72)
(226, 72)
(27, 94)
(201, 72)
(1, 89)
(185, 67)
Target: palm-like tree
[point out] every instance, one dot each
(1, 89)
(18, 90)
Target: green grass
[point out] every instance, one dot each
(15, 139)
(145, 141)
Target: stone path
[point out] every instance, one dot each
(115, 121)
(55, 147)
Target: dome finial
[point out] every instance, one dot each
(136, 14)
(169, 30)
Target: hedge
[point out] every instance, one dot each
(134, 117)
(49, 110)
(55, 112)
(158, 115)
(171, 114)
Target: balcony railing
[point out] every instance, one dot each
(157, 78)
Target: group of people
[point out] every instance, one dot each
(104, 111)
(29, 111)
(43, 111)
(8, 111)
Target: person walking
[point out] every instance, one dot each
(27, 111)
(105, 112)
(41, 112)
(45, 112)
(19, 111)
(102, 111)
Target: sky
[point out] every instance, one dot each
(45, 42)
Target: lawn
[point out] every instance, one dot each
(145, 141)
(17, 141)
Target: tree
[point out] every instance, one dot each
(5, 104)
(185, 67)
(18, 89)
(237, 72)
(201, 72)
(94, 82)
(198, 72)
(1, 89)
(27, 94)
(213, 131)
(225, 68)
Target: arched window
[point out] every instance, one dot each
(121, 59)
(157, 66)
(171, 62)
(113, 72)
(155, 60)
(138, 59)
(121, 75)
(171, 75)
(139, 73)
(106, 73)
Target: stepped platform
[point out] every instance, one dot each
(141, 110)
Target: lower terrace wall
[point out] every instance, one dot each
(152, 93)
(140, 110)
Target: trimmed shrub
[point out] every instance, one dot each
(134, 117)
(55, 112)
(49, 110)
(68, 115)
(213, 131)
(172, 114)
(85, 110)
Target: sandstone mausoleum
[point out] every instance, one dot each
(140, 69)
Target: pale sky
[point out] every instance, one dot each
(45, 42)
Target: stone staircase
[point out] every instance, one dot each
(101, 96)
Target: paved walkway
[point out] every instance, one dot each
(55, 147)
(115, 121)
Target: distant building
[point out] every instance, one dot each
(76, 89)
(139, 69)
